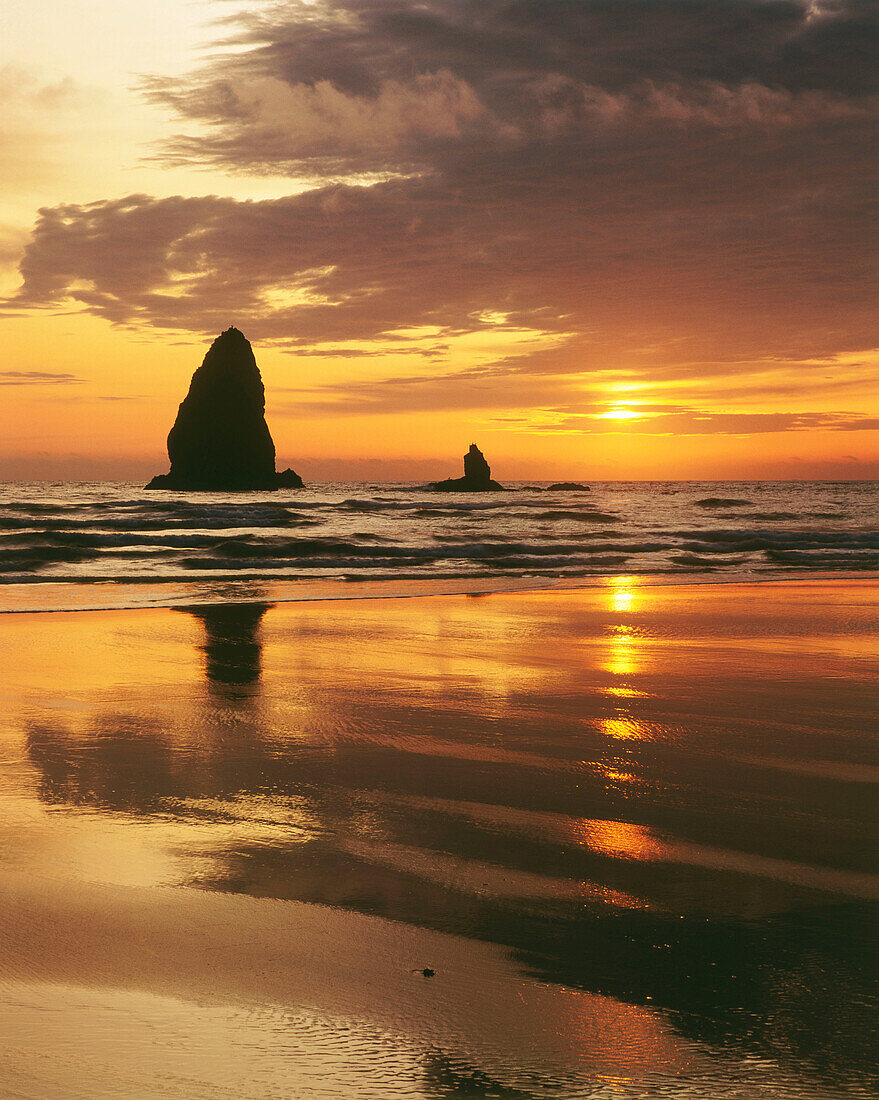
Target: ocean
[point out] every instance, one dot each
(146, 547)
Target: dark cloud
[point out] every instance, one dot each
(616, 263)
(348, 83)
(618, 174)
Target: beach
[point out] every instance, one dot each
(609, 842)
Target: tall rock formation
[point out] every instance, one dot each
(220, 441)
(476, 479)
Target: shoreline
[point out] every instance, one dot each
(277, 593)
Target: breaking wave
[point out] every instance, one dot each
(116, 533)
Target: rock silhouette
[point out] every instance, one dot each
(220, 441)
(476, 479)
(567, 487)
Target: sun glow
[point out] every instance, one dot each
(624, 596)
(622, 657)
(624, 593)
(623, 387)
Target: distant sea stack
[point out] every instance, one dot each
(220, 441)
(476, 479)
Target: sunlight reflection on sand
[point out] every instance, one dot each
(250, 828)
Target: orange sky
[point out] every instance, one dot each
(603, 238)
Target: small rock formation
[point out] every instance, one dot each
(567, 487)
(288, 479)
(476, 479)
(220, 441)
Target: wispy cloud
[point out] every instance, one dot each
(683, 421)
(36, 378)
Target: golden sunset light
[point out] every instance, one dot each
(439, 480)
(422, 252)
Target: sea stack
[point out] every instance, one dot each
(476, 479)
(220, 441)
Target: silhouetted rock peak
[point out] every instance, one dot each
(220, 441)
(476, 479)
(475, 466)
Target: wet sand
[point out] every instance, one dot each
(630, 830)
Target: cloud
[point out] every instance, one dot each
(740, 272)
(679, 421)
(12, 243)
(23, 89)
(689, 177)
(36, 378)
(391, 83)
(461, 390)
(42, 136)
(317, 121)
(557, 404)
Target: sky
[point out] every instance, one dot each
(601, 238)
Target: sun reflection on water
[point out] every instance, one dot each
(624, 596)
(622, 657)
(618, 839)
(623, 728)
(625, 593)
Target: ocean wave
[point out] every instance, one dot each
(693, 561)
(366, 532)
(571, 516)
(16, 559)
(810, 559)
(527, 565)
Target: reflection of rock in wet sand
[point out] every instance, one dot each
(126, 761)
(122, 762)
(777, 985)
(233, 654)
(386, 796)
